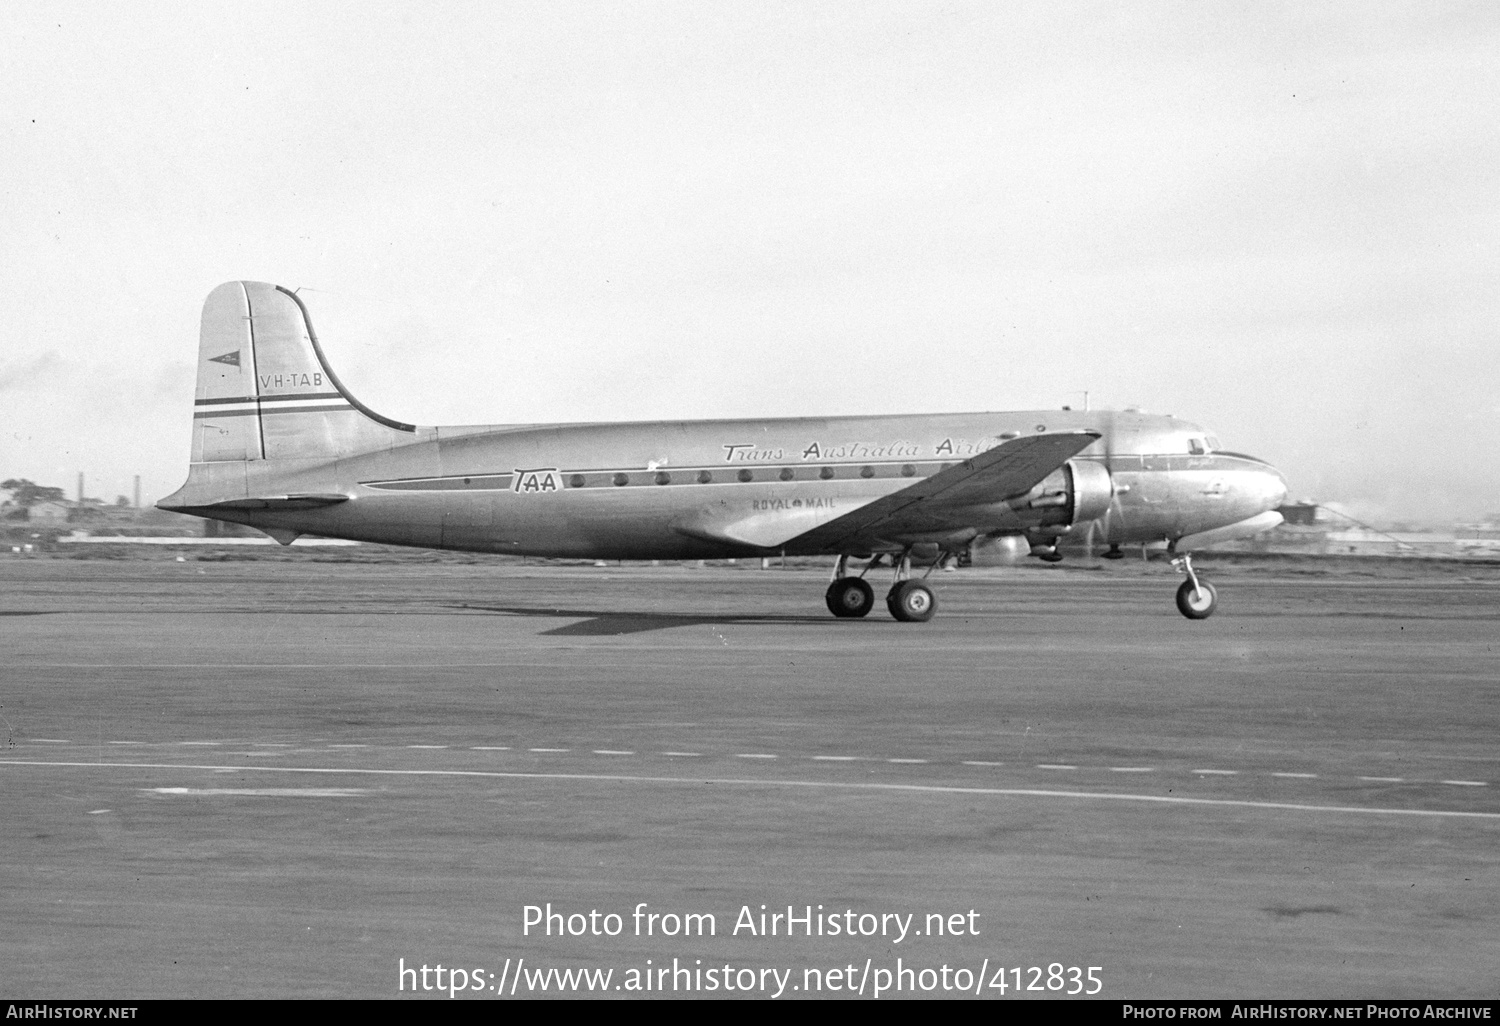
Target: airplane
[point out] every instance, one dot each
(280, 444)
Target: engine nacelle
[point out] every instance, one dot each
(1078, 491)
(999, 550)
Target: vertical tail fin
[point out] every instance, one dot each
(265, 390)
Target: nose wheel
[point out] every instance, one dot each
(1196, 599)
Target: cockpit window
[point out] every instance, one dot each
(1197, 447)
(1213, 443)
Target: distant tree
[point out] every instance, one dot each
(121, 500)
(29, 493)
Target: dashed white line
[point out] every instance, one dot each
(1465, 783)
(1296, 776)
(833, 758)
(1383, 780)
(488, 748)
(348, 746)
(610, 751)
(50, 741)
(1132, 769)
(773, 782)
(550, 750)
(127, 742)
(1054, 765)
(432, 747)
(907, 760)
(1216, 772)
(683, 755)
(754, 755)
(978, 762)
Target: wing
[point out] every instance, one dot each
(1004, 472)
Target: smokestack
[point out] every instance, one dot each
(80, 486)
(137, 491)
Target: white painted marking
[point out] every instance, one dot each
(546, 749)
(1297, 776)
(684, 755)
(976, 762)
(262, 792)
(754, 755)
(489, 748)
(906, 760)
(1054, 765)
(1383, 780)
(127, 742)
(1132, 769)
(833, 758)
(1465, 783)
(610, 751)
(841, 785)
(1216, 772)
(434, 747)
(50, 741)
(348, 746)
(100, 812)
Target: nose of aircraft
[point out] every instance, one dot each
(1273, 487)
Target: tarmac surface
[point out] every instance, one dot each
(293, 779)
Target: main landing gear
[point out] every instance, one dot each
(1196, 599)
(908, 600)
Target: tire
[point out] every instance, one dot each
(911, 602)
(850, 597)
(1199, 606)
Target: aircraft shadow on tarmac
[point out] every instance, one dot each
(594, 622)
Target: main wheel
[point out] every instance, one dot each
(911, 601)
(850, 596)
(1199, 603)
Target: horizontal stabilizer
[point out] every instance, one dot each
(268, 502)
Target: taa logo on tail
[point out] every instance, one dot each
(530, 482)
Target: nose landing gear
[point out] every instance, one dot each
(1196, 599)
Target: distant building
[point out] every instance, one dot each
(50, 513)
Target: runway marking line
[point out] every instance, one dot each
(610, 751)
(1132, 769)
(685, 755)
(1217, 772)
(1297, 776)
(1055, 765)
(833, 758)
(547, 750)
(1465, 783)
(976, 762)
(838, 785)
(1383, 780)
(907, 760)
(50, 741)
(432, 747)
(754, 755)
(488, 748)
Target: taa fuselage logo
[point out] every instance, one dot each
(534, 482)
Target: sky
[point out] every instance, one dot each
(1281, 221)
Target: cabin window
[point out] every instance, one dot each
(908, 470)
(826, 473)
(866, 471)
(576, 481)
(622, 479)
(786, 474)
(704, 477)
(662, 477)
(746, 475)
